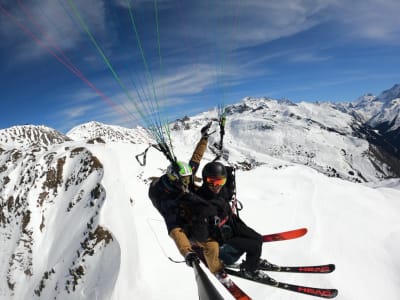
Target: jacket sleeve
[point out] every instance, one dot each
(198, 154)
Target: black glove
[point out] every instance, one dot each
(191, 258)
(204, 130)
(226, 232)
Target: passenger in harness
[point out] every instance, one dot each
(234, 236)
(186, 214)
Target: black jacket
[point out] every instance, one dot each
(179, 209)
(232, 226)
(166, 197)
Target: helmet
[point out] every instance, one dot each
(214, 169)
(180, 167)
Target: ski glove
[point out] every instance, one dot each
(191, 258)
(226, 232)
(204, 131)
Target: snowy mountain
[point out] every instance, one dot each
(95, 132)
(44, 192)
(370, 107)
(76, 222)
(381, 113)
(313, 134)
(366, 107)
(390, 94)
(30, 136)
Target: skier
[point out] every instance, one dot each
(185, 213)
(235, 237)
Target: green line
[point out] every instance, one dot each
(158, 45)
(85, 27)
(148, 73)
(158, 128)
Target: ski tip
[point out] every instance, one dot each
(286, 235)
(333, 294)
(321, 293)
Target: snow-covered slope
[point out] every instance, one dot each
(366, 106)
(389, 115)
(27, 136)
(49, 224)
(267, 131)
(372, 107)
(76, 223)
(390, 110)
(96, 132)
(381, 113)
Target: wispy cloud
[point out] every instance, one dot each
(175, 89)
(188, 80)
(249, 22)
(41, 25)
(369, 19)
(83, 105)
(309, 57)
(78, 111)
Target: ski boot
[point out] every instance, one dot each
(264, 264)
(257, 275)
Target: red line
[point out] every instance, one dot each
(67, 64)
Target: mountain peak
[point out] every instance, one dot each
(31, 135)
(108, 133)
(390, 94)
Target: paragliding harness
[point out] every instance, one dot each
(162, 147)
(236, 205)
(222, 121)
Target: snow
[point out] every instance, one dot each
(102, 187)
(349, 224)
(390, 114)
(352, 225)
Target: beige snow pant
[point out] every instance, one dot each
(211, 249)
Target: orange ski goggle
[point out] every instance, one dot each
(216, 181)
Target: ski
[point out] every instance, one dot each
(286, 235)
(321, 269)
(312, 291)
(234, 289)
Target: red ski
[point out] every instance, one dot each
(287, 235)
(312, 291)
(225, 280)
(236, 291)
(320, 269)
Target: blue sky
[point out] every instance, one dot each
(197, 55)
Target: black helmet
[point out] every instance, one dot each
(214, 169)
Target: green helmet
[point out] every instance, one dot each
(184, 170)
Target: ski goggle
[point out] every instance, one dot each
(216, 181)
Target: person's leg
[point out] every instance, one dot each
(252, 247)
(228, 254)
(181, 241)
(211, 255)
